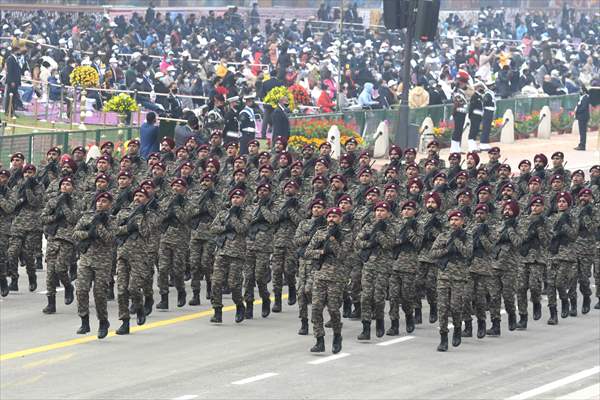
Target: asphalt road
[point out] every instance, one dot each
(180, 355)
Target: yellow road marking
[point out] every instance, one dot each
(92, 338)
(27, 381)
(49, 361)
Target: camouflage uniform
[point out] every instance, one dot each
(480, 282)
(562, 257)
(427, 271)
(7, 206)
(94, 264)
(505, 264)
(584, 250)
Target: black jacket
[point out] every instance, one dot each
(13, 71)
(280, 123)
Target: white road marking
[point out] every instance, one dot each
(186, 397)
(330, 358)
(394, 341)
(255, 378)
(45, 291)
(502, 312)
(556, 384)
(588, 393)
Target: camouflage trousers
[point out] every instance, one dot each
(374, 290)
(326, 293)
(450, 296)
(477, 288)
(171, 261)
(582, 274)
(529, 277)
(256, 273)
(426, 283)
(202, 257)
(304, 286)
(59, 255)
(99, 275)
(37, 245)
(4, 239)
(597, 271)
(505, 283)
(560, 275)
(402, 292)
(132, 277)
(149, 285)
(227, 271)
(283, 263)
(22, 247)
(355, 281)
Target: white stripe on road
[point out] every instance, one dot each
(556, 384)
(330, 358)
(588, 393)
(502, 312)
(186, 397)
(45, 291)
(255, 378)
(394, 341)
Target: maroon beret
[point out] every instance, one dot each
(395, 149)
(541, 157)
(482, 206)
(525, 162)
(65, 179)
(494, 149)
(435, 196)
(316, 202)
(17, 155)
(558, 154)
(585, 191)
(565, 195)
(282, 140)
(29, 167)
(454, 156)
(409, 204)
(535, 179)
(104, 195)
(514, 207)
(475, 157)
(107, 144)
(319, 178)
(455, 213)
(334, 210)
(265, 185)
(345, 197)
(236, 192)
(142, 191)
(169, 141)
(179, 181)
(373, 189)
(53, 149)
(382, 204)
(148, 182)
(416, 181)
(254, 142)
(215, 162)
(78, 148)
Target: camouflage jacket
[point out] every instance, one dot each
(289, 218)
(174, 220)
(60, 215)
(564, 231)
(135, 225)
(376, 245)
(101, 247)
(452, 254)
(29, 202)
(483, 245)
(432, 224)
(534, 237)
(263, 222)
(505, 254)
(203, 207)
(408, 242)
(7, 207)
(231, 231)
(328, 252)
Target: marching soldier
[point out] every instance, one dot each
(6, 209)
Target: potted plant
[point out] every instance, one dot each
(314, 131)
(122, 104)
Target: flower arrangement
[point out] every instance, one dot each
(274, 95)
(525, 125)
(562, 121)
(314, 131)
(445, 128)
(300, 94)
(84, 76)
(122, 104)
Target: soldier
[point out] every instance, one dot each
(540, 161)
(60, 215)
(25, 228)
(304, 233)
(327, 247)
(493, 163)
(524, 177)
(204, 206)
(561, 268)
(404, 270)
(48, 170)
(283, 262)
(7, 207)
(259, 247)
(451, 249)
(558, 160)
(94, 231)
(231, 227)
(17, 161)
(247, 120)
(459, 113)
(475, 114)
(352, 261)
(489, 109)
(174, 242)
(135, 225)
(584, 246)
(375, 243)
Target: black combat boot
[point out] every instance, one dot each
(443, 346)
(456, 338)
(564, 308)
(512, 321)
(181, 294)
(553, 320)
(585, 307)
(266, 307)
(292, 295)
(124, 328)
(14, 284)
(141, 315)
(495, 329)
(319, 347)
(394, 329)
(148, 303)
(336, 347)
(522, 324)
(195, 300)
(366, 332)
(69, 295)
(433, 315)
(218, 315)
(240, 311)
(573, 312)
(51, 307)
(347, 308)
(277, 304)
(103, 328)
(4, 287)
(355, 315)
(480, 328)
(379, 327)
(39, 265)
(208, 290)
(85, 325)
(303, 327)
(418, 316)
(111, 292)
(32, 282)
(163, 304)
(468, 331)
(537, 311)
(187, 275)
(410, 322)
(249, 310)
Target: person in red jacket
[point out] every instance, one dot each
(324, 102)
